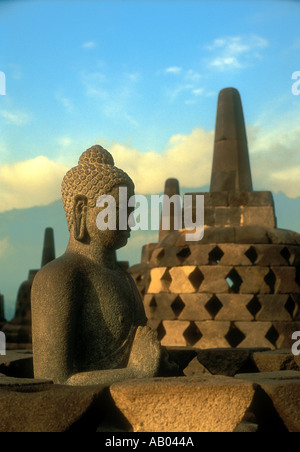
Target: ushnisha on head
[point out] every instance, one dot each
(94, 176)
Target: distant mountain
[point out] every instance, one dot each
(22, 235)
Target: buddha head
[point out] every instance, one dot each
(82, 186)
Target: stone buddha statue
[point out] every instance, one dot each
(88, 320)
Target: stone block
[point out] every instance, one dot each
(199, 254)
(214, 278)
(275, 360)
(195, 368)
(174, 335)
(182, 356)
(251, 235)
(275, 308)
(147, 251)
(222, 234)
(270, 255)
(209, 215)
(253, 279)
(213, 334)
(235, 254)
(227, 216)
(261, 216)
(185, 404)
(255, 334)
(283, 390)
(17, 363)
(285, 331)
(194, 308)
(42, 407)
(186, 279)
(159, 280)
(250, 198)
(226, 361)
(158, 306)
(234, 307)
(286, 280)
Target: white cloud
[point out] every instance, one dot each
(274, 158)
(30, 183)
(173, 70)
(17, 118)
(65, 142)
(235, 52)
(65, 102)
(88, 45)
(187, 157)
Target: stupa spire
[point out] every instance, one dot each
(231, 166)
(48, 249)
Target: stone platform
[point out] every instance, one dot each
(221, 390)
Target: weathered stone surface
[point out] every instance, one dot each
(37, 406)
(202, 404)
(214, 278)
(227, 216)
(171, 188)
(253, 279)
(283, 388)
(23, 384)
(147, 251)
(250, 198)
(212, 334)
(194, 368)
(275, 308)
(2, 315)
(182, 356)
(231, 165)
(268, 255)
(234, 307)
(263, 216)
(227, 361)
(174, 333)
(234, 254)
(285, 331)
(199, 254)
(195, 307)
(17, 363)
(286, 280)
(162, 306)
(183, 281)
(159, 280)
(140, 275)
(255, 334)
(275, 360)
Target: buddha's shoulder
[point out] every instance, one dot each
(65, 270)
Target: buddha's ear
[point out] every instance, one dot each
(79, 212)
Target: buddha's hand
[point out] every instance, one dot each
(146, 353)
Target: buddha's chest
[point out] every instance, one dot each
(109, 309)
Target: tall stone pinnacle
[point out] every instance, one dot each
(2, 317)
(171, 188)
(49, 249)
(231, 166)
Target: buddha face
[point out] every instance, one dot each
(112, 237)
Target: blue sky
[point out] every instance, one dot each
(138, 73)
(142, 79)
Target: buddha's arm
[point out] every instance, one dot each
(54, 312)
(144, 362)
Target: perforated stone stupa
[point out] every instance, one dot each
(240, 285)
